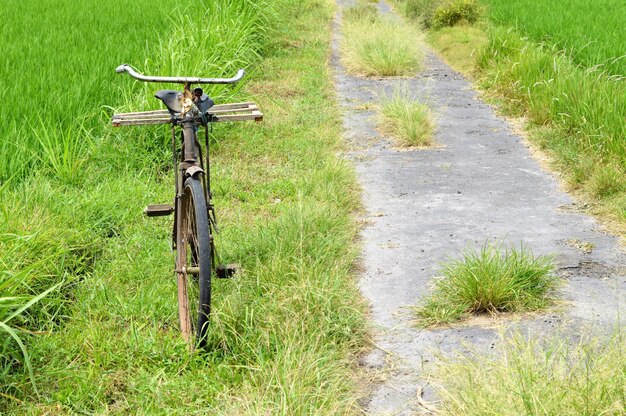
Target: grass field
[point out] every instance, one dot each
(105, 340)
(591, 33)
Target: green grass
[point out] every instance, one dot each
(379, 46)
(107, 341)
(410, 122)
(591, 32)
(62, 78)
(492, 279)
(531, 377)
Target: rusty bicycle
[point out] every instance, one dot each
(195, 223)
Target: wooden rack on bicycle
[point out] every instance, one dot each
(219, 113)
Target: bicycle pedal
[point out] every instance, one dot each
(226, 271)
(158, 210)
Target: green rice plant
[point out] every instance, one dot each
(62, 152)
(383, 47)
(410, 122)
(495, 278)
(538, 377)
(64, 75)
(599, 44)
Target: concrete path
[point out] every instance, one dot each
(424, 206)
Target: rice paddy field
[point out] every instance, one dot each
(88, 315)
(591, 32)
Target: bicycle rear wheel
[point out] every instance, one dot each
(193, 263)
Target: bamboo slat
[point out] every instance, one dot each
(220, 113)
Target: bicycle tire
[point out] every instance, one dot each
(193, 263)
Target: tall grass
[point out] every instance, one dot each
(532, 377)
(492, 279)
(379, 46)
(591, 33)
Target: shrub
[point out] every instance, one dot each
(452, 13)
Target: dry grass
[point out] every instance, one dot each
(531, 377)
(379, 46)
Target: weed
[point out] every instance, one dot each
(493, 279)
(361, 12)
(459, 45)
(421, 10)
(410, 122)
(530, 376)
(441, 13)
(379, 47)
(606, 181)
(549, 89)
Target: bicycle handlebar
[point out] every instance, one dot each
(179, 80)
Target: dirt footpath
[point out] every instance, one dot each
(423, 207)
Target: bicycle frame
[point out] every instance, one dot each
(192, 234)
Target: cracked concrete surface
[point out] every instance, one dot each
(424, 206)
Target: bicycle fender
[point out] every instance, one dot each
(193, 171)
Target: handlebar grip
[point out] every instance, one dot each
(121, 69)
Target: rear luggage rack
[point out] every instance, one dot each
(218, 113)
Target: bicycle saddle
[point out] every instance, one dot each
(173, 100)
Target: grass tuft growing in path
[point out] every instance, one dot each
(531, 377)
(494, 278)
(410, 122)
(379, 46)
